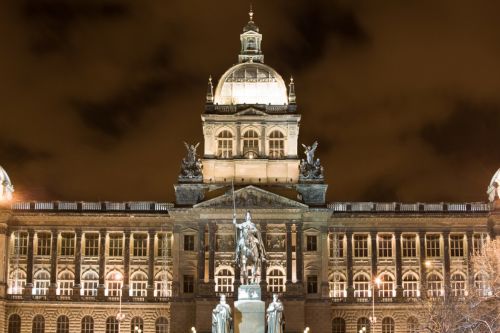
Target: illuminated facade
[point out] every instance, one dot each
(73, 266)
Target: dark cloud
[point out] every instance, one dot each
(20, 154)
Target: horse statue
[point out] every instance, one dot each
(250, 250)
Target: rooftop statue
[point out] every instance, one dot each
(191, 166)
(6, 187)
(310, 169)
(309, 151)
(275, 316)
(494, 187)
(222, 321)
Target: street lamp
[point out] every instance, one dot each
(306, 330)
(193, 330)
(373, 319)
(137, 329)
(120, 315)
(362, 330)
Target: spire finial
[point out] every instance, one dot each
(250, 13)
(291, 92)
(210, 91)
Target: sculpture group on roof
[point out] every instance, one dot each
(6, 187)
(494, 187)
(311, 169)
(191, 166)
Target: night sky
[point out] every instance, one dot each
(97, 96)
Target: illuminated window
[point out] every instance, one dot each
(363, 325)
(17, 282)
(42, 283)
(338, 325)
(457, 284)
(410, 285)
(336, 245)
(20, 244)
(433, 248)
(387, 325)
(113, 285)
(90, 281)
(115, 245)
(92, 245)
(337, 285)
(276, 145)
(161, 325)
(276, 281)
(165, 245)
(139, 284)
(361, 246)
(224, 281)
(386, 288)
(67, 245)
(311, 243)
(385, 246)
(481, 284)
(251, 144)
(87, 325)
(479, 241)
(225, 144)
(457, 245)
(136, 325)
(434, 285)
(62, 324)
(65, 283)
(163, 285)
(112, 325)
(140, 245)
(409, 246)
(361, 286)
(44, 242)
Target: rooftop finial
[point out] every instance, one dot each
(250, 13)
(210, 91)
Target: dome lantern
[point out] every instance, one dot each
(251, 42)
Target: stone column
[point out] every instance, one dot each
(151, 265)
(373, 242)
(350, 264)
(263, 267)
(325, 258)
(237, 142)
(102, 264)
(470, 251)
(29, 269)
(288, 253)
(201, 252)
(423, 269)
(263, 140)
(4, 261)
(446, 261)
(211, 252)
(78, 265)
(53, 266)
(399, 266)
(126, 267)
(298, 253)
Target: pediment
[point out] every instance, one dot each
(251, 112)
(251, 197)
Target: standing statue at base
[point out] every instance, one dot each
(275, 316)
(222, 321)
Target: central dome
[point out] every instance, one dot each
(251, 83)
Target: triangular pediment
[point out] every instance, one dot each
(251, 197)
(251, 112)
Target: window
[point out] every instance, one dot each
(385, 246)
(409, 246)
(434, 285)
(188, 284)
(38, 324)
(62, 324)
(412, 325)
(276, 281)
(20, 244)
(44, 241)
(139, 284)
(161, 325)
(225, 144)
(337, 285)
(224, 281)
(336, 245)
(136, 325)
(92, 245)
(312, 243)
(276, 145)
(410, 285)
(188, 242)
(457, 245)
(361, 246)
(312, 284)
(163, 285)
(115, 245)
(338, 325)
(457, 284)
(65, 283)
(432, 246)
(42, 283)
(165, 245)
(87, 324)
(386, 288)
(481, 284)
(361, 286)
(67, 245)
(90, 281)
(140, 245)
(17, 282)
(111, 325)
(363, 325)
(113, 285)
(251, 144)
(14, 324)
(479, 240)
(387, 325)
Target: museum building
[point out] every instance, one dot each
(158, 267)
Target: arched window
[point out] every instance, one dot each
(65, 283)
(361, 286)
(14, 324)
(62, 325)
(386, 288)
(410, 285)
(161, 325)
(387, 325)
(434, 285)
(276, 145)
(276, 281)
(114, 285)
(224, 280)
(90, 282)
(17, 282)
(42, 283)
(363, 325)
(163, 284)
(337, 285)
(251, 144)
(111, 325)
(136, 325)
(457, 284)
(87, 324)
(412, 325)
(139, 284)
(481, 284)
(225, 144)
(38, 324)
(338, 325)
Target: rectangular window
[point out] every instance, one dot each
(188, 284)
(312, 243)
(336, 245)
(312, 284)
(44, 242)
(432, 246)
(457, 245)
(385, 246)
(140, 246)
(68, 245)
(479, 241)
(20, 243)
(115, 245)
(188, 242)
(409, 246)
(165, 245)
(361, 246)
(92, 245)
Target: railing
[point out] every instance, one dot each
(88, 206)
(394, 207)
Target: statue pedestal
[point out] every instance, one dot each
(249, 310)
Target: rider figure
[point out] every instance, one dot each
(249, 234)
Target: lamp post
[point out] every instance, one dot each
(137, 329)
(193, 329)
(306, 330)
(120, 315)
(376, 282)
